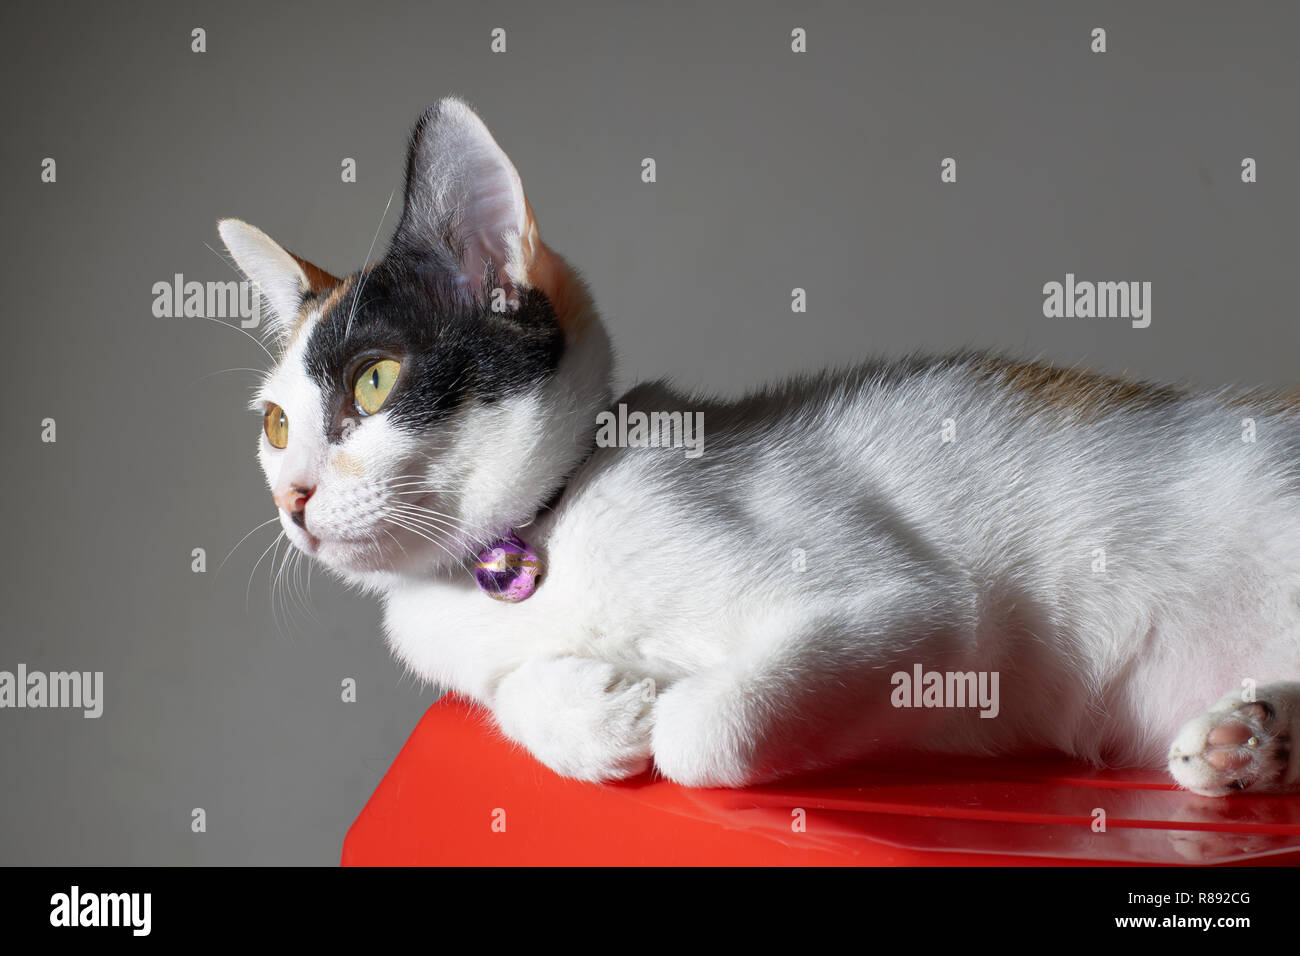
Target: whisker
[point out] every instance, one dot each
(293, 584)
(462, 523)
(452, 524)
(420, 485)
(306, 564)
(442, 527)
(273, 588)
(236, 328)
(396, 541)
(365, 273)
(401, 524)
(248, 589)
(255, 285)
(222, 371)
(243, 539)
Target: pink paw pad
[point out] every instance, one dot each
(1241, 750)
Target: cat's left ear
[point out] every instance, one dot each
(465, 205)
(281, 278)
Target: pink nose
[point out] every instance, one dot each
(294, 499)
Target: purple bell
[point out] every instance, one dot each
(507, 569)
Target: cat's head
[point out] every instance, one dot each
(429, 403)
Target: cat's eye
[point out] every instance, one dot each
(374, 384)
(276, 424)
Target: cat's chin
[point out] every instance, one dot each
(346, 556)
(350, 556)
(368, 562)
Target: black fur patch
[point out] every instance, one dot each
(453, 348)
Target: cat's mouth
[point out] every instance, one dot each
(329, 550)
(401, 537)
(302, 539)
(340, 554)
(361, 555)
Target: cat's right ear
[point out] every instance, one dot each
(465, 205)
(282, 279)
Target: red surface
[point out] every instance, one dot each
(438, 802)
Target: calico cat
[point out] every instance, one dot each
(1109, 556)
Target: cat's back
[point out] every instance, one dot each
(1010, 492)
(919, 401)
(971, 446)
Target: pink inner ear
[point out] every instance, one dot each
(493, 214)
(478, 253)
(461, 182)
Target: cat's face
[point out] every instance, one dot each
(428, 404)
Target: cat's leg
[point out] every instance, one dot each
(1242, 744)
(810, 702)
(580, 717)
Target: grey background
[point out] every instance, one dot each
(775, 170)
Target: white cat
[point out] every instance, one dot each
(1109, 556)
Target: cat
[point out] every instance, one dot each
(1109, 556)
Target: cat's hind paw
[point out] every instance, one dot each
(1240, 745)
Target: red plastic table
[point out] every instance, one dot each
(460, 793)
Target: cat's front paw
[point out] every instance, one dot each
(1239, 745)
(701, 736)
(580, 717)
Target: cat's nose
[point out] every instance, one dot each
(294, 500)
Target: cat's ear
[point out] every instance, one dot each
(465, 205)
(281, 278)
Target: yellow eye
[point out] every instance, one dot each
(276, 423)
(376, 381)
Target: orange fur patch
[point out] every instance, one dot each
(348, 465)
(1269, 401)
(1086, 394)
(547, 270)
(317, 278)
(331, 299)
(334, 296)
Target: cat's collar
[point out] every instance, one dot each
(508, 569)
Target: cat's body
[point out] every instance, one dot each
(1119, 561)
(1117, 555)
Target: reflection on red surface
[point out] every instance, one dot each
(459, 793)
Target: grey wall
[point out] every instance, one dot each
(775, 170)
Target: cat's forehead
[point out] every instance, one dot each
(447, 342)
(319, 303)
(371, 311)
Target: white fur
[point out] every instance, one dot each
(279, 280)
(971, 555)
(672, 623)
